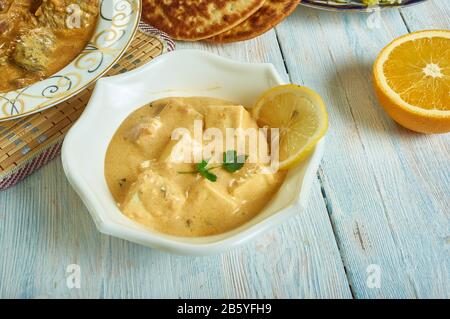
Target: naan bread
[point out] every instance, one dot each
(192, 20)
(270, 14)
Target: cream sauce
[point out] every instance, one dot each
(20, 20)
(147, 184)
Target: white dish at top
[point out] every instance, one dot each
(357, 5)
(179, 73)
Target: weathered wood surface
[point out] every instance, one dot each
(44, 227)
(387, 188)
(381, 197)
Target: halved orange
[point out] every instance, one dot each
(412, 80)
(301, 117)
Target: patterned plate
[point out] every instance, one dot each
(117, 24)
(354, 5)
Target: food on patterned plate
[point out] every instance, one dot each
(36, 40)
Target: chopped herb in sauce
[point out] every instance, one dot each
(122, 182)
(231, 163)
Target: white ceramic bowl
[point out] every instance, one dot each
(179, 73)
(117, 23)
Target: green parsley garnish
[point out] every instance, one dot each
(205, 172)
(231, 163)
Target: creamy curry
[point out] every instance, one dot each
(155, 189)
(40, 37)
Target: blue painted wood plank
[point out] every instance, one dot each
(387, 188)
(44, 227)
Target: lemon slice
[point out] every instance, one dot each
(300, 115)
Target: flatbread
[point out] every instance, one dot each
(192, 20)
(270, 14)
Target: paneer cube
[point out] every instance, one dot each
(247, 138)
(156, 133)
(252, 182)
(210, 201)
(34, 48)
(228, 116)
(184, 150)
(154, 195)
(178, 114)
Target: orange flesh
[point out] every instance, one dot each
(419, 71)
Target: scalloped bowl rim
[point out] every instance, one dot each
(137, 233)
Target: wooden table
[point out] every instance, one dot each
(377, 224)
